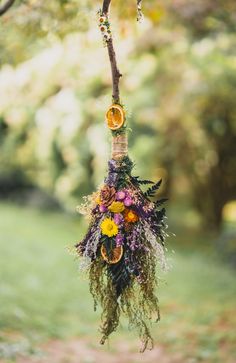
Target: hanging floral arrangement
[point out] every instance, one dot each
(127, 229)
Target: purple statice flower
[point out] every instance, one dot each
(134, 238)
(121, 195)
(112, 165)
(111, 179)
(113, 172)
(119, 239)
(103, 208)
(118, 218)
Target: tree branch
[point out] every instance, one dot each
(4, 7)
(112, 57)
(105, 6)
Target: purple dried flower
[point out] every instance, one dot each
(134, 238)
(118, 218)
(111, 179)
(119, 239)
(139, 208)
(112, 165)
(102, 208)
(128, 202)
(120, 195)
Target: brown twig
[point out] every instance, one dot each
(112, 56)
(4, 7)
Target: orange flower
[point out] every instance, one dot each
(131, 216)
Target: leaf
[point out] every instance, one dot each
(136, 180)
(160, 214)
(159, 202)
(109, 245)
(120, 276)
(152, 190)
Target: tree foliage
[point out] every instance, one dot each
(179, 81)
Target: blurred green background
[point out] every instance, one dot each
(179, 90)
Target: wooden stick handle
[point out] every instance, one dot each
(112, 57)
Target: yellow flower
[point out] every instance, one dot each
(116, 207)
(98, 199)
(109, 228)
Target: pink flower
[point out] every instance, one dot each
(120, 195)
(102, 208)
(128, 202)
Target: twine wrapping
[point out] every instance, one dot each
(119, 146)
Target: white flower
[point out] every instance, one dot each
(103, 28)
(102, 19)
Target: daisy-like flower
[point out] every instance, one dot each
(131, 216)
(109, 227)
(116, 207)
(102, 19)
(103, 28)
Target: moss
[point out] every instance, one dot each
(138, 301)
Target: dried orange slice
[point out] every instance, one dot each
(115, 257)
(115, 117)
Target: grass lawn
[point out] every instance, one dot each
(42, 295)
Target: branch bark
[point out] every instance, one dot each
(4, 7)
(112, 57)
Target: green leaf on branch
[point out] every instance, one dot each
(136, 180)
(159, 202)
(152, 190)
